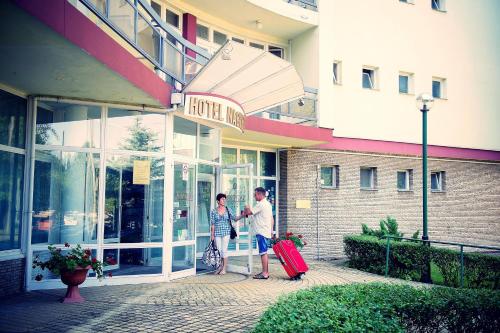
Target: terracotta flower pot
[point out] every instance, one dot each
(73, 279)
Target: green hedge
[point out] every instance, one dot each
(380, 307)
(408, 259)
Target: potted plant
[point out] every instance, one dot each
(72, 267)
(298, 240)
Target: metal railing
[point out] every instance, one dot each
(307, 4)
(429, 242)
(140, 26)
(303, 113)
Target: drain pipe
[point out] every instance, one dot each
(318, 175)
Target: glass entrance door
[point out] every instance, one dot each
(183, 226)
(237, 182)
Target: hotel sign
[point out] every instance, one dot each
(214, 108)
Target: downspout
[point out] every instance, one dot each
(318, 172)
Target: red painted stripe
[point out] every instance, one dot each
(66, 20)
(401, 148)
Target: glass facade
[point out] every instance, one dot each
(110, 178)
(103, 177)
(13, 112)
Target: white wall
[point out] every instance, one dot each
(461, 45)
(304, 56)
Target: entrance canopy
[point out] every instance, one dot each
(252, 78)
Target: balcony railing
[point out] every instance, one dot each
(296, 112)
(140, 26)
(307, 4)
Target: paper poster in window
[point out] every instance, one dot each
(142, 172)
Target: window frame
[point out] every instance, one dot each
(441, 181)
(337, 72)
(438, 5)
(372, 78)
(176, 11)
(410, 85)
(408, 180)
(373, 180)
(442, 87)
(335, 176)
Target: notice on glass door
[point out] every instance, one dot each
(142, 172)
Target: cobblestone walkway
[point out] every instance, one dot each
(204, 303)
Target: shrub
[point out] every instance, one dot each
(388, 227)
(408, 259)
(380, 307)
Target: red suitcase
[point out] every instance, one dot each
(290, 258)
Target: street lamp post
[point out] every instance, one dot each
(424, 103)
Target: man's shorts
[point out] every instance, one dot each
(263, 244)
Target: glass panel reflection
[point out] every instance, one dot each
(229, 156)
(148, 38)
(182, 258)
(65, 197)
(65, 124)
(184, 208)
(135, 130)
(133, 261)
(248, 157)
(184, 137)
(209, 144)
(121, 13)
(12, 120)
(11, 194)
(134, 199)
(267, 164)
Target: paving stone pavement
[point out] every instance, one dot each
(203, 303)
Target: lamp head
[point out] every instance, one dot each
(425, 102)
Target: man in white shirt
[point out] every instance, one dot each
(262, 227)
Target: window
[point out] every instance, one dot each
(368, 178)
(156, 7)
(238, 40)
(12, 142)
(337, 72)
(438, 5)
(438, 181)
(405, 180)
(277, 51)
(257, 46)
(369, 78)
(405, 83)
(219, 37)
(202, 31)
(329, 176)
(438, 87)
(172, 18)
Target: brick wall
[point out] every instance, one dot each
(468, 211)
(11, 276)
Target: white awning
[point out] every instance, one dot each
(253, 78)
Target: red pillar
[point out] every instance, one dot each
(189, 30)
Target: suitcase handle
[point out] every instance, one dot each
(282, 261)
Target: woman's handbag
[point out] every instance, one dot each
(233, 231)
(211, 255)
